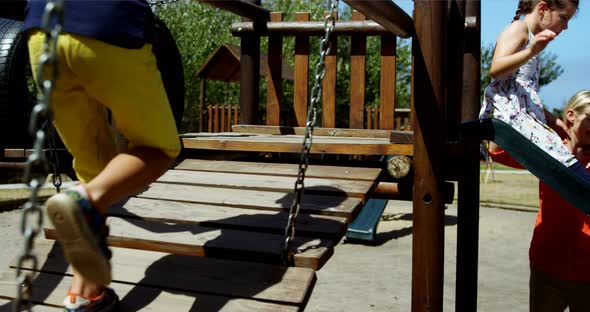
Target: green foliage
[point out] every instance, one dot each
(199, 29)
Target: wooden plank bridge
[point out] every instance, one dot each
(209, 234)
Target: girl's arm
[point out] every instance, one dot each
(509, 55)
(556, 124)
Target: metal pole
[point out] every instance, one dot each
(468, 196)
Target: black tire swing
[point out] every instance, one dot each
(169, 64)
(15, 101)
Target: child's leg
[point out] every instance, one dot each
(83, 127)
(128, 82)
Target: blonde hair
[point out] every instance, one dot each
(576, 103)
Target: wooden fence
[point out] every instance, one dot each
(220, 118)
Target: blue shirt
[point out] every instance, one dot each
(124, 23)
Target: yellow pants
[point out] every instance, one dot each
(94, 76)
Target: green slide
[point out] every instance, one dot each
(559, 177)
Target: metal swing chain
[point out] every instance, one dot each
(37, 164)
(316, 92)
(161, 2)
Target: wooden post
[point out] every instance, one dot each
(358, 56)
(249, 76)
(209, 118)
(202, 103)
(387, 82)
(215, 118)
(428, 103)
(275, 80)
(329, 84)
(468, 193)
(300, 90)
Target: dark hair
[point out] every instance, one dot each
(526, 6)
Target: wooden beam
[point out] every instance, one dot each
(274, 94)
(395, 136)
(468, 199)
(309, 28)
(242, 8)
(301, 89)
(358, 68)
(387, 14)
(292, 144)
(428, 105)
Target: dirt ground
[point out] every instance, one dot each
(378, 277)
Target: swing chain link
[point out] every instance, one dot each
(37, 165)
(316, 92)
(161, 3)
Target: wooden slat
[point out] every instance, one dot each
(274, 78)
(291, 170)
(386, 13)
(329, 83)
(209, 118)
(222, 118)
(403, 136)
(215, 118)
(229, 114)
(50, 289)
(263, 200)
(240, 181)
(196, 240)
(242, 8)
(292, 144)
(387, 82)
(358, 51)
(229, 218)
(194, 277)
(300, 88)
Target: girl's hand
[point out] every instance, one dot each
(561, 129)
(557, 125)
(541, 40)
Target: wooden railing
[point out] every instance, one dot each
(221, 118)
(358, 29)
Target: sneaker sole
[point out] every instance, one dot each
(77, 240)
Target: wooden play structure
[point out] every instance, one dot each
(208, 234)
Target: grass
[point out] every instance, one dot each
(511, 190)
(496, 166)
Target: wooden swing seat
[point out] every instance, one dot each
(208, 236)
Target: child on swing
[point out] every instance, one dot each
(105, 62)
(512, 96)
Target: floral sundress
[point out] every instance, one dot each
(514, 100)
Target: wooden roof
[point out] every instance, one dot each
(224, 65)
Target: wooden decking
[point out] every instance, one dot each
(207, 236)
(288, 140)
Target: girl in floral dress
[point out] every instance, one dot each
(512, 96)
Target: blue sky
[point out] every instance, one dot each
(572, 47)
